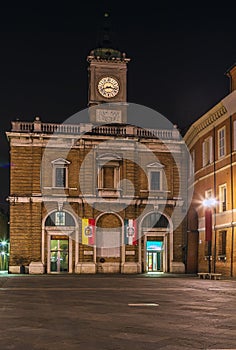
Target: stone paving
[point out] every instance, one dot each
(111, 312)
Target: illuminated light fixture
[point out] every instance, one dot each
(209, 202)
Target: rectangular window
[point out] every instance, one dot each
(60, 177)
(192, 164)
(60, 218)
(221, 142)
(155, 181)
(207, 151)
(108, 177)
(222, 197)
(222, 243)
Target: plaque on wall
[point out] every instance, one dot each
(108, 116)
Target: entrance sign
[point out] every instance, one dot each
(154, 245)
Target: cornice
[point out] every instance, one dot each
(213, 117)
(208, 119)
(104, 60)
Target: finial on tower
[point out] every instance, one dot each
(105, 48)
(104, 39)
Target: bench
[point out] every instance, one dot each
(209, 275)
(214, 276)
(203, 275)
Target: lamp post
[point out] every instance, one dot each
(209, 204)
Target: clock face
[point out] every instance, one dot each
(108, 87)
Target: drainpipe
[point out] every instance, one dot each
(232, 198)
(214, 171)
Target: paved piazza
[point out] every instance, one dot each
(114, 312)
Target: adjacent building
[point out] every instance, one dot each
(212, 218)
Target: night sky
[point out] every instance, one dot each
(179, 55)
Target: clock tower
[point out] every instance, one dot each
(107, 75)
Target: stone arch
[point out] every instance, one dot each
(60, 220)
(109, 241)
(109, 220)
(51, 226)
(155, 220)
(50, 213)
(157, 226)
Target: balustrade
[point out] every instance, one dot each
(50, 128)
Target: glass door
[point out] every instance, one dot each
(154, 261)
(59, 255)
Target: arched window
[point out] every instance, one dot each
(155, 220)
(59, 218)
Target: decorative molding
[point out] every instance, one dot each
(204, 122)
(60, 161)
(60, 205)
(155, 165)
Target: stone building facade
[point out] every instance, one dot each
(98, 196)
(212, 216)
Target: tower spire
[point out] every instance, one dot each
(104, 39)
(105, 48)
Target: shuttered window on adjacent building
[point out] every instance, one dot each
(222, 197)
(221, 142)
(222, 243)
(207, 151)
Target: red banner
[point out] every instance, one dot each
(208, 224)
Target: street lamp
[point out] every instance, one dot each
(208, 204)
(4, 254)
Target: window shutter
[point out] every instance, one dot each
(211, 149)
(204, 153)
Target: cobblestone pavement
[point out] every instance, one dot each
(111, 312)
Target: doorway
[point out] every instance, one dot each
(154, 261)
(154, 256)
(59, 250)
